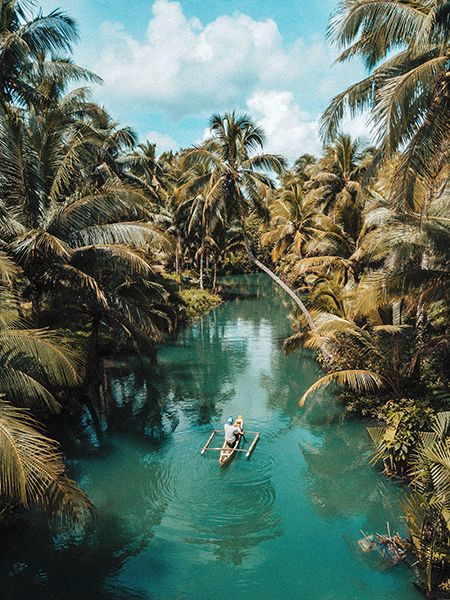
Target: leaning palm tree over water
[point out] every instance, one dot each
(233, 167)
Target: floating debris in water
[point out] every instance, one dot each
(391, 547)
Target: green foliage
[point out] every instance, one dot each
(403, 423)
(426, 502)
(236, 261)
(409, 417)
(198, 301)
(365, 405)
(32, 471)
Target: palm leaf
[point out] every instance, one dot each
(357, 380)
(32, 471)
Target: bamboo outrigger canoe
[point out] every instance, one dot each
(227, 451)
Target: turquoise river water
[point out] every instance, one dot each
(173, 524)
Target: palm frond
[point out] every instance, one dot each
(355, 379)
(32, 471)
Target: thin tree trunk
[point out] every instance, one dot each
(213, 289)
(277, 280)
(421, 317)
(92, 379)
(200, 278)
(178, 255)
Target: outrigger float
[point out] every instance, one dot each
(227, 451)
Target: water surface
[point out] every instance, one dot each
(173, 524)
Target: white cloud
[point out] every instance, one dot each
(163, 142)
(289, 130)
(358, 126)
(185, 69)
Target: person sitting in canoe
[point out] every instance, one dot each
(231, 432)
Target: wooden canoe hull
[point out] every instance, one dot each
(227, 452)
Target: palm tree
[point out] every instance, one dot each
(340, 244)
(142, 166)
(426, 504)
(233, 168)
(24, 42)
(117, 288)
(295, 219)
(363, 354)
(47, 214)
(33, 363)
(408, 93)
(413, 253)
(336, 177)
(302, 167)
(32, 471)
(111, 151)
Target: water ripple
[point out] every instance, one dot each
(205, 502)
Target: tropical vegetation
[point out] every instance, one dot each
(106, 247)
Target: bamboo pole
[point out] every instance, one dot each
(229, 449)
(256, 433)
(253, 444)
(210, 438)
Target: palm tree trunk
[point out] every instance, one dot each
(421, 317)
(92, 380)
(213, 289)
(277, 280)
(178, 255)
(200, 278)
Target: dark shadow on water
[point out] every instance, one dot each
(68, 569)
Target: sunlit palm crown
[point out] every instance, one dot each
(408, 93)
(233, 164)
(23, 43)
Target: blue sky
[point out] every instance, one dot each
(169, 65)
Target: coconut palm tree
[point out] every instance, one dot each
(32, 471)
(24, 42)
(110, 151)
(233, 168)
(295, 219)
(143, 167)
(408, 93)
(339, 245)
(362, 353)
(426, 504)
(47, 214)
(33, 363)
(336, 177)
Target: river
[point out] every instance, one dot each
(173, 524)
